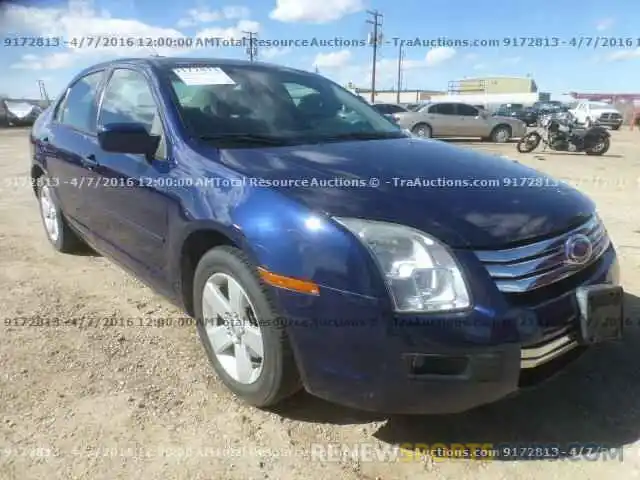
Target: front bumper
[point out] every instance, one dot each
(610, 122)
(351, 351)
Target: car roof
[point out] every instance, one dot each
(176, 62)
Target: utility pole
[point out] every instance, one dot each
(252, 49)
(43, 91)
(400, 58)
(376, 21)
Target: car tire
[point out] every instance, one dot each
(422, 130)
(501, 134)
(615, 127)
(223, 270)
(58, 232)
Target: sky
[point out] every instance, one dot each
(611, 66)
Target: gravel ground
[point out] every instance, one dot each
(127, 402)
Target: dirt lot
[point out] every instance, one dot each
(135, 402)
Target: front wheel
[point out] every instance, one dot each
(529, 142)
(422, 130)
(501, 134)
(238, 326)
(600, 147)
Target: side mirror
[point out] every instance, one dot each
(130, 138)
(391, 118)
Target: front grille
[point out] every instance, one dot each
(610, 116)
(527, 268)
(531, 356)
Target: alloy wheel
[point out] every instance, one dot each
(49, 212)
(232, 328)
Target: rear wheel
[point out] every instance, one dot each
(529, 142)
(422, 130)
(600, 147)
(237, 325)
(501, 134)
(58, 233)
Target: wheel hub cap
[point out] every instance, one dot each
(232, 328)
(49, 213)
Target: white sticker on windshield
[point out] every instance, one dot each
(203, 76)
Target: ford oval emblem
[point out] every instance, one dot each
(578, 249)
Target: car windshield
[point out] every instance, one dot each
(253, 103)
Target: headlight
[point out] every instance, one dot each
(420, 273)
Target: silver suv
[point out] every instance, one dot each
(451, 119)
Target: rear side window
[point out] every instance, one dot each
(78, 108)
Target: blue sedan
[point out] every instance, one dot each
(316, 244)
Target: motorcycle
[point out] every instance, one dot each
(559, 132)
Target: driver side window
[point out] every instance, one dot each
(443, 109)
(128, 99)
(467, 110)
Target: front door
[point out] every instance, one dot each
(471, 123)
(135, 191)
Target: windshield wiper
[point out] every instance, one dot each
(245, 138)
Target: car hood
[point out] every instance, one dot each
(526, 204)
(605, 110)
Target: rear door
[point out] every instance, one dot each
(70, 147)
(471, 123)
(134, 191)
(441, 117)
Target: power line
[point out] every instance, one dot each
(376, 21)
(400, 58)
(252, 48)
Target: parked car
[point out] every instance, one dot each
(528, 115)
(389, 108)
(600, 113)
(18, 113)
(413, 107)
(299, 243)
(549, 108)
(451, 119)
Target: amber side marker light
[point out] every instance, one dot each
(280, 281)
